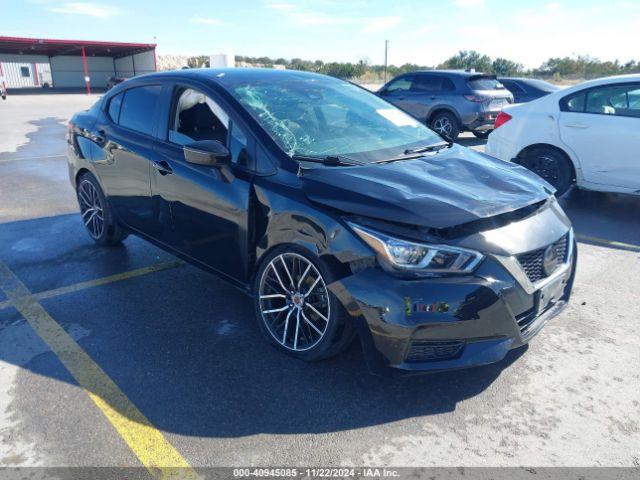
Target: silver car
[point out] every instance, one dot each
(450, 101)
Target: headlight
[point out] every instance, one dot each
(419, 259)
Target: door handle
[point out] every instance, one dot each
(162, 167)
(576, 125)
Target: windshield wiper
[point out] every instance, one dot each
(429, 148)
(330, 160)
(417, 152)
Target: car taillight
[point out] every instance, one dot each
(476, 98)
(501, 119)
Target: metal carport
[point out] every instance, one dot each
(68, 64)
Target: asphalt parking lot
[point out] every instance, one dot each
(123, 356)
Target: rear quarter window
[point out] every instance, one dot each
(113, 110)
(138, 108)
(573, 103)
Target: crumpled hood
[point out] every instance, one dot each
(455, 186)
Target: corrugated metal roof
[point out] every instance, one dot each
(53, 47)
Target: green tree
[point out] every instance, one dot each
(504, 67)
(468, 59)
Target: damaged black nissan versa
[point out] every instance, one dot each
(340, 214)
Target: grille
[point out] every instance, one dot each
(525, 320)
(531, 262)
(428, 350)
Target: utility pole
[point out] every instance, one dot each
(386, 47)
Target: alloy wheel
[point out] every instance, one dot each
(442, 125)
(294, 302)
(91, 208)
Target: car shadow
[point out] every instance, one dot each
(471, 141)
(604, 219)
(184, 347)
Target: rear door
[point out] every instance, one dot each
(429, 91)
(602, 126)
(202, 211)
(126, 149)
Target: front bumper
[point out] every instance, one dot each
(439, 324)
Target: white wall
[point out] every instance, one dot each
(11, 68)
(67, 71)
(134, 65)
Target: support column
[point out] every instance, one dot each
(87, 80)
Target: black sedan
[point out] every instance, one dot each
(338, 213)
(527, 89)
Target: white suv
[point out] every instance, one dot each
(588, 134)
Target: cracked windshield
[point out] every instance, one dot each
(322, 117)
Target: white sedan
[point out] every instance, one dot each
(588, 135)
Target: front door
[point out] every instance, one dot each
(202, 211)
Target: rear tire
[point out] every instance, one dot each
(96, 213)
(445, 123)
(484, 135)
(295, 310)
(553, 166)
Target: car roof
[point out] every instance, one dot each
(223, 75)
(598, 82)
(456, 73)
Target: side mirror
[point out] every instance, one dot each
(211, 153)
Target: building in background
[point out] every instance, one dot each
(71, 64)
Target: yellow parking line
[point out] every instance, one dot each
(158, 267)
(160, 458)
(608, 243)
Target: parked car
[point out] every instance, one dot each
(527, 89)
(588, 135)
(339, 213)
(113, 81)
(449, 101)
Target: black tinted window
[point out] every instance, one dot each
(138, 108)
(426, 83)
(512, 86)
(114, 107)
(447, 85)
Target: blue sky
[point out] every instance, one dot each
(420, 31)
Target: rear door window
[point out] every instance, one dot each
(138, 108)
(427, 83)
(618, 100)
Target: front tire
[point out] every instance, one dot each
(446, 124)
(552, 166)
(96, 212)
(294, 308)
